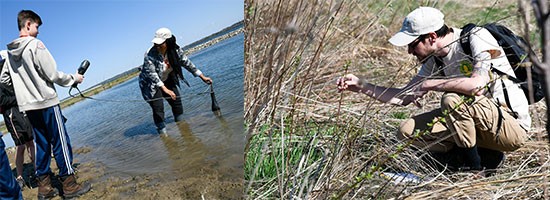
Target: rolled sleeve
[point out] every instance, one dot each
(197, 73)
(160, 84)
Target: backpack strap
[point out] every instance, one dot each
(500, 118)
(505, 91)
(465, 39)
(500, 73)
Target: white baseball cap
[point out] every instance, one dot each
(161, 35)
(419, 22)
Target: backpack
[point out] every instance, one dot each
(516, 55)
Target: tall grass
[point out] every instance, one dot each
(307, 141)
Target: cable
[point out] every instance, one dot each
(132, 100)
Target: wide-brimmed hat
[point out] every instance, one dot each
(419, 22)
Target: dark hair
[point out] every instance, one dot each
(444, 30)
(173, 57)
(29, 15)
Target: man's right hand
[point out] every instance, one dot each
(78, 78)
(349, 82)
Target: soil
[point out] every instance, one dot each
(202, 184)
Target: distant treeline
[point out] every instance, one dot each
(223, 32)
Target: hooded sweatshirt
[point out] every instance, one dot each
(33, 72)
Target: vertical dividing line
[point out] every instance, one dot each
(282, 154)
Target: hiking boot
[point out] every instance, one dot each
(71, 188)
(491, 160)
(451, 160)
(33, 181)
(21, 182)
(472, 160)
(45, 189)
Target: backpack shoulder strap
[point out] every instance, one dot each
(465, 39)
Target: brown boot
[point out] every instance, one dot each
(72, 189)
(45, 189)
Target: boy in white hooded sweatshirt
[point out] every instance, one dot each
(33, 72)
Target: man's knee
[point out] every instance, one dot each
(450, 101)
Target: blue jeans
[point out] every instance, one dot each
(9, 189)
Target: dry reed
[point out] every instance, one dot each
(319, 143)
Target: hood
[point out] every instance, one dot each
(16, 47)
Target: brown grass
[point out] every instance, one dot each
(296, 49)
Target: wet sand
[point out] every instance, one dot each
(205, 183)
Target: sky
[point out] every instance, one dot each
(114, 34)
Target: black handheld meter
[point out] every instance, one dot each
(82, 69)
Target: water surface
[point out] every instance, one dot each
(118, 132)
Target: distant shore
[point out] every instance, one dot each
(213, 41)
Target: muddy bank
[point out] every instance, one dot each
(206, 183)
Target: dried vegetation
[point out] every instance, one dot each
(307, 141)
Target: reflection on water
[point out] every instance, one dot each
(122, 136)
(184, 150)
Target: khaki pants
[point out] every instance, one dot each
(465, 126)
